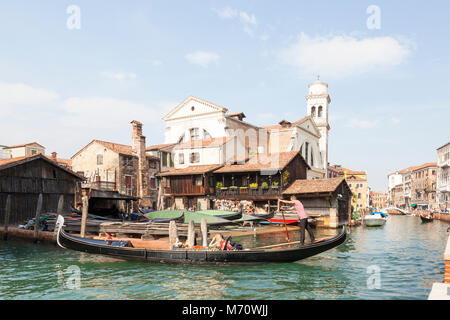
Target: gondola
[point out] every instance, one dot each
(425, 219)
(228, 215)
(265, 216)
(122, 249)
(165, 216)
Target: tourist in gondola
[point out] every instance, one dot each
(303, 219)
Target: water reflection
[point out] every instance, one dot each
(408, 254)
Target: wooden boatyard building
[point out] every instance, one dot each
(258, 178)
(328, 200)
(24, 178)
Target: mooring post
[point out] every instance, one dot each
(7, 213)
(204, 229)
(37, 218)
(173, 234)
(84, 214)
(58, 212)
(191, 234)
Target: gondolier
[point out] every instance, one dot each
(303, 219)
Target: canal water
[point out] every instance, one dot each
(398, 261)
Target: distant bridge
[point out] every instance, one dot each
(402, 211)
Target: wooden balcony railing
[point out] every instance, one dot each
(103, 185)
(246, 192)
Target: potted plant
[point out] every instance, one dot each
(253, 185)
(264, 185)
(274, 185)
(243, 190)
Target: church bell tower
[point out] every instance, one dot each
(318, 101)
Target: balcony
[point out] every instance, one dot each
(255, 193)
(103, 185)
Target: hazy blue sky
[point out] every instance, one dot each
(132, 60)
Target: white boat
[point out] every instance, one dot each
(375, 220)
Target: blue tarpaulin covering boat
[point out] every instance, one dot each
(381, 213)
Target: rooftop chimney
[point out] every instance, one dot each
(54, 156)
(138, 149)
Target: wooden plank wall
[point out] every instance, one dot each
(25, 182)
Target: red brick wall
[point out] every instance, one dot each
(447, 271)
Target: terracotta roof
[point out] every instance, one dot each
(115, 147)
(160, 146)
(414, 168)
(191, 170)
(425, 165)
(4, 162)
(61, 160)
(268, 162)
(206, 143)
(24, 145)
(8, 163)
(314, 186)
(348, 171)
(237, 114)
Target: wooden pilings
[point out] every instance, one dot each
(84, 214)
(7, 213)
(204, 229)
(191, 234)
(37, 218)
(173, 234)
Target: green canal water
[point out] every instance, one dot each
(407, 254)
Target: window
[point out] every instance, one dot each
(307, 150)
(194, 133)
(127, 161)
(99, 159)
(359, 195)
(164, 159)
(195, 157)
(152, 182)
(313, 112)
(312, 158)
(319, 113)
(197, 180)
(181, 158)
(33, 151)
(152, 164)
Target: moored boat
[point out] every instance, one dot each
(165, 216)
(228, 215)
(426, 219)
(210, 219)
(123, 249)
(375, 219)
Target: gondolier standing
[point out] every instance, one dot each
(303, 219)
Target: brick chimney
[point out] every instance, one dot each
(54, 156)
(138, 149)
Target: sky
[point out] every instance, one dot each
(74, 71)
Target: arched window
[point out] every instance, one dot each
(313, 112)
(319, 113)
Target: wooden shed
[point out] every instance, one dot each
(328, 200)
(24, 178)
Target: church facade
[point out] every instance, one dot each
(196, 125)
(204, 138)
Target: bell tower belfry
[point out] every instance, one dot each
(317, 101)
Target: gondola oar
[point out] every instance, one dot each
(285, 226)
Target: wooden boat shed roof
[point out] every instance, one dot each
(12, 162)
(315, 186)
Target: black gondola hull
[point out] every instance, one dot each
(426, 219)
(184, 256)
